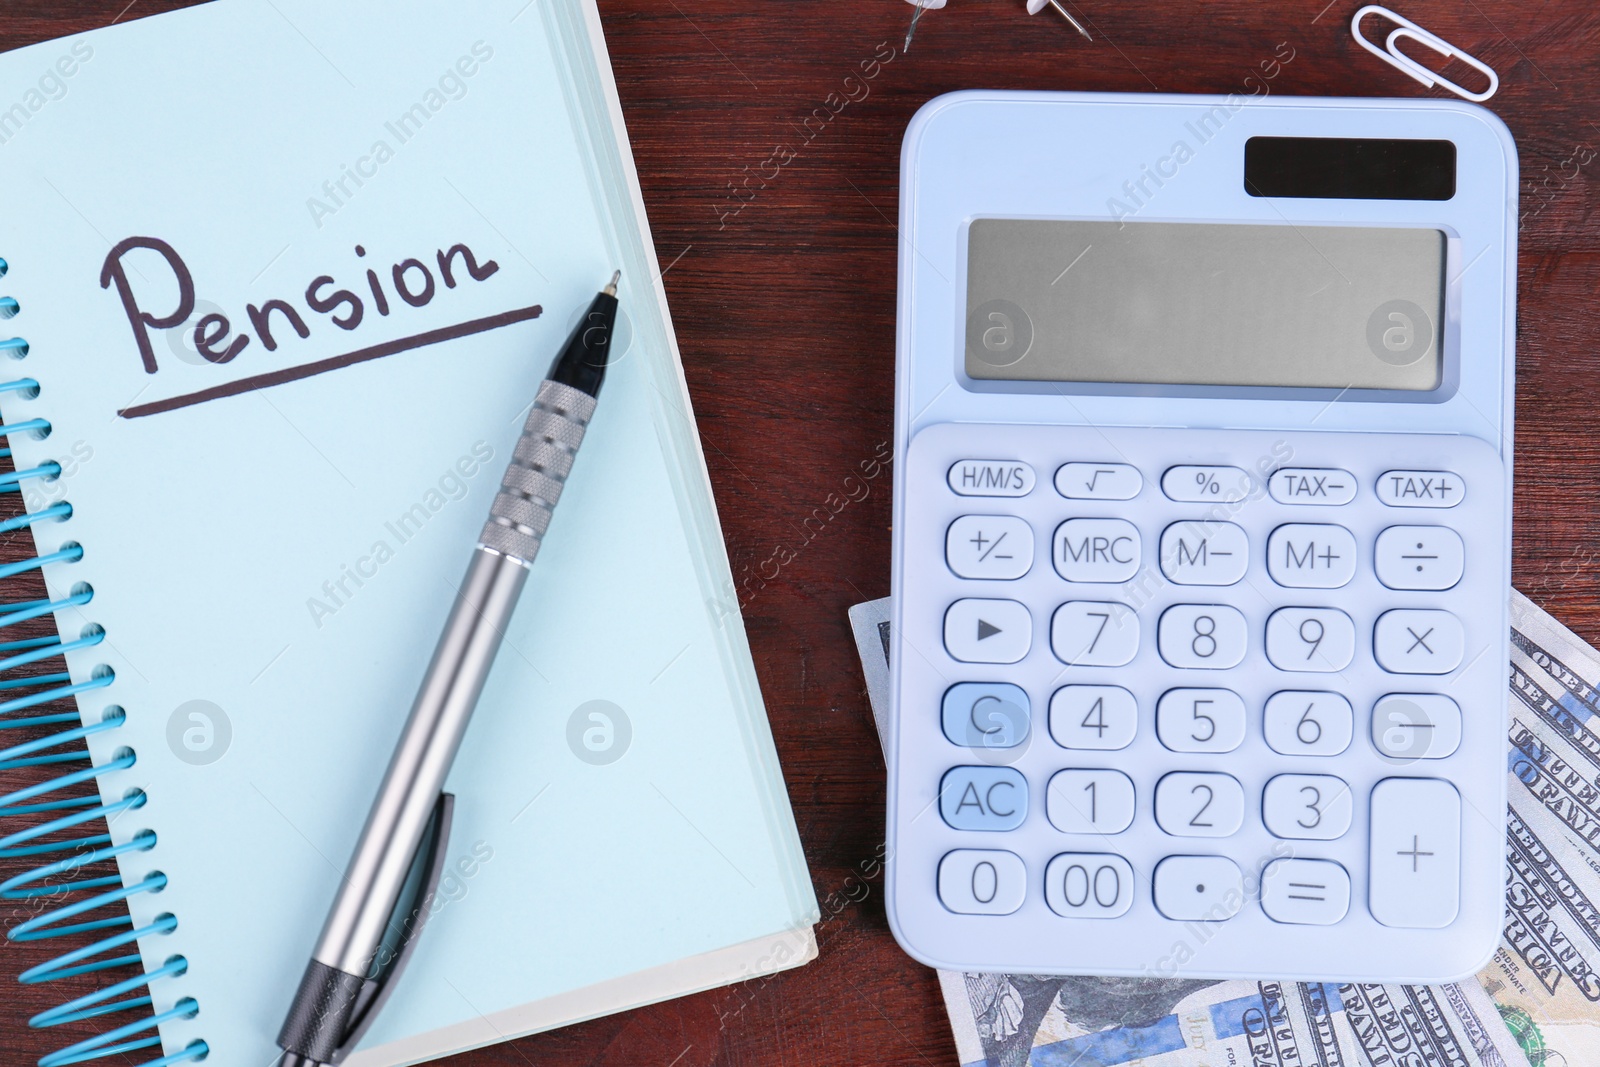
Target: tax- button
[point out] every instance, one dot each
(1305, 892)
(1096, 550)
(1418, 641)
(1420, 489)
(987, 631)
(1416, 853)
(1198, 888)
(1098, 481)
(989, 546)
(1312, 485)
(983, 798)
(990, 477)
(1418, 557)
(1303, 555)
(976, 881)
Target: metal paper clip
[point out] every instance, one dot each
(1392, 55)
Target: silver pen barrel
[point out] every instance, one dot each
(346, 983)
(506, 548)
(455, 679)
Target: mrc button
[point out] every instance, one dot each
(990, 477)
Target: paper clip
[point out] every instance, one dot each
(1392, 55)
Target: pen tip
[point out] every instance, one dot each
(611, 286)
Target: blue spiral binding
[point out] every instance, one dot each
(88, 905)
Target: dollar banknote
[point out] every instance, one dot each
(1545, 977)
(1535, 1003)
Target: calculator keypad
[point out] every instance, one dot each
(1240, 692)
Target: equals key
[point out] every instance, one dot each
(1305, 892)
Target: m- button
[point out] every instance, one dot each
(1420, 489)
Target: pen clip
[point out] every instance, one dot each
(374, 992)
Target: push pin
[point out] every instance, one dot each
(917, 8)
(1036, 6)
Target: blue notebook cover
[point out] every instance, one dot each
(287, 275)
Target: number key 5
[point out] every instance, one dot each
(1200, 720)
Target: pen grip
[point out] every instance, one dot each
(538, 471)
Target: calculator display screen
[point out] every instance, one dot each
(1208, 304)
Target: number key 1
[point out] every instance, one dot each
(1090, 802)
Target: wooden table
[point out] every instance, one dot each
(767, 140)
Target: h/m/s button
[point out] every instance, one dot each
(990, 477)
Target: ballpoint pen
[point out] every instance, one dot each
(366, 940)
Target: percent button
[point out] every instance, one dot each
(1211, 485)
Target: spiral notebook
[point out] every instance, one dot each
(281, 278)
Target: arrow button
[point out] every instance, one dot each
(987, 631)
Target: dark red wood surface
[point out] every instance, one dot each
(767, 139)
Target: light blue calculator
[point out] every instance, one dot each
(1202, 536)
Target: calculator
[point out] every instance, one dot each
(1202, 536)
